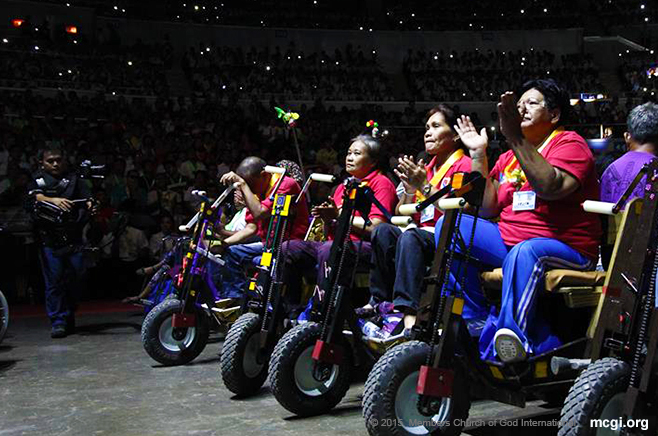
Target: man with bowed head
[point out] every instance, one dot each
(256, 187)
(536, 189)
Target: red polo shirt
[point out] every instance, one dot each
(564, 219)
(462, 165)
(299, 225)
(384, 191)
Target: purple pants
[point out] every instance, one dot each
(307, 258)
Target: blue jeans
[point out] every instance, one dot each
(400, 261)
(523, 267)
(236, 258)
(62, 275)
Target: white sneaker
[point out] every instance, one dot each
(508, 346)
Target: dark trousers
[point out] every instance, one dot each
(63, 275)
(304, 258)
(400, 261)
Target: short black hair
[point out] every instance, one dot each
(250, 167)
(555, 95)
(642, 123)
(52, 149)
(448, 113)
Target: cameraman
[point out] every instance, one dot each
(59, 220)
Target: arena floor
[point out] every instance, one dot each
(101, 382)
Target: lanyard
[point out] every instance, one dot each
(438, 176)
(514, 174)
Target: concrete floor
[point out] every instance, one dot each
(100, 381)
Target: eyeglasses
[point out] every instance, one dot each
(530, 104)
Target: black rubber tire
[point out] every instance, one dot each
(589, 395)
(388, 375)
(293, 345)
(234, 375)
(4, 316)
(151, 330)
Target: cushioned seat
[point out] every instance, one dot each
(579, 288)
(554, 279)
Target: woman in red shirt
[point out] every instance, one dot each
(536, 189)
(400, 258)
(363, 161)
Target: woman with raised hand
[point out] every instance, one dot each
(536, 190)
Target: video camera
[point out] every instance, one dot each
(87, 170)
(48, 212)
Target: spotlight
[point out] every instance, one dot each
(71, 29)
(17, 22)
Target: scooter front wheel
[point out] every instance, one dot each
(173, 346)
(244, 370)
(390, 401)
(299, 383)
(595, 404)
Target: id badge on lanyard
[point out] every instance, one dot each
(524, 200)
(427, 214)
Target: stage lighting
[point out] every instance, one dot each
(17, 22)
(71, 29)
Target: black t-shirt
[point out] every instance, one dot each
(69, 231)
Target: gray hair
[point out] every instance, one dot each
(643, 123)
(375, 149)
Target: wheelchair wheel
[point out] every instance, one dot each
(390, 398)
(243, 370)
(597, 394)
(298, 383)
(4, 316)
(170, 346)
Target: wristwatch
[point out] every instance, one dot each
(427, 189)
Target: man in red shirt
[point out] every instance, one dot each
(256, 186)
(536, 189)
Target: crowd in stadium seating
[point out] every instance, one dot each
(348, 74)
(35, 59)
(638, 72)
(481, 76)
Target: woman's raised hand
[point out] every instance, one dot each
(475, 142)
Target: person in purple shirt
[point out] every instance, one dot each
(642, 142)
